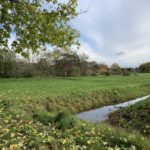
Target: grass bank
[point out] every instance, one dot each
(136, 117)
(63, 132)
(76, 94)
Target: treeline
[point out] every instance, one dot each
(145, 68)
(60, 63)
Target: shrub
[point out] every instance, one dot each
(5, 104)
(94, 74)
(126, 73)
(108, 73)
(43, 117)
(64, 120)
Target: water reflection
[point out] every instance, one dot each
(101, 114)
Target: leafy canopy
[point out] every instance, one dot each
(36, 23)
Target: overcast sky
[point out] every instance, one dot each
(115, 31)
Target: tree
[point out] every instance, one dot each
(7, 63)
(36, 23)
(68, 64)
(92, 68)
(43, 67)
(115, 68)
(145, 68)
(102, 68)
(84, 64)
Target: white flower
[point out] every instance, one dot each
(9, 11)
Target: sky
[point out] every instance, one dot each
(115, 31)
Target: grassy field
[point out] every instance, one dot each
(33, 112)
(77, 94)
(44, 87)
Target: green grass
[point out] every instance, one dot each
(43, 87)
(136, 117)
(77, 94)
(32, 117)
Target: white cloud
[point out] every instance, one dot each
(114, 26)
(93, 56)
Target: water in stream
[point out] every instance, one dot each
(101, 114)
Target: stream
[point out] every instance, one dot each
(101, 114)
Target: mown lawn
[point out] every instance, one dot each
(36, 113)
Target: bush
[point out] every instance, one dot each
(27, 75)
(94, 74)
(5, 104)
(126, 73)
(64, 120)
(43, 117)
(108, 73)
